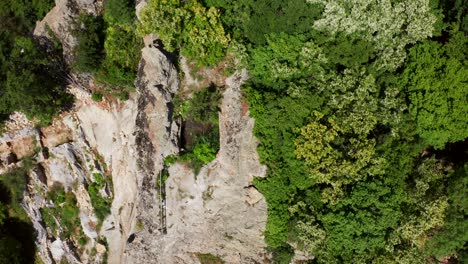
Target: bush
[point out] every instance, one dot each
(96, 96)
(122, 55)
(208, 258)
(169, 160)
(201, 127)
(119, 11)
(65, 210)
(108, 47)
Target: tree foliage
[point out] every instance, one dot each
(189, 27)
(200, 123)
(119, 11)
(253, 21)
(337, 110)
(438, 89)
(31, 76)
(108, 46)
(389, 25)
(89, 51)
(286, 62)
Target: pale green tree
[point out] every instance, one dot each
(186, 26)
(389, 25)
(333, 159)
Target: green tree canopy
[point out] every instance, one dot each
(186, 26)
(437, 86)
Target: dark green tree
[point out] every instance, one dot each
(119, 11)
(89, 30)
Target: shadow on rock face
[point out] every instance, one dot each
(131, 238)
(17, 242)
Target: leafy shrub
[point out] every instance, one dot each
(201, 127)
(48, 218)
(122, 55)
(96, 96)
(108, 47)
(169, 160)
(119, 11)
(66, 211)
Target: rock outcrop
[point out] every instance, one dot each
(110, 131)
(60, 21)
(217, 211)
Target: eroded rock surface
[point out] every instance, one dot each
(217, 211)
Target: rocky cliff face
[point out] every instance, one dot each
(217, 211)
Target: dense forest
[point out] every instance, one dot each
(361, 110)
(362, 113)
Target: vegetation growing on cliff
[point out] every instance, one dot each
(64, 214)
(31, 81)
(101, 205)
(187, 27)
(352, 104)
(200, 125)
(17, 235)
(361, 112)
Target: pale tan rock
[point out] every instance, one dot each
(60, 21)
(24, 146)
(209, 213)
(56, 134)
(100, 248)
(18, 121)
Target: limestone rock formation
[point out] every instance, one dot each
(217, 211)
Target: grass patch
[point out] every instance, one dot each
(169, 160)
(96, 96)
(67, 214)
(101, 204)
(208, 258)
